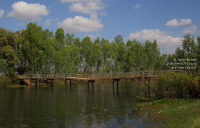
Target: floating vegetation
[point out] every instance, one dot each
(17, 86)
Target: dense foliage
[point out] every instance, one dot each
(35, 50)
(179, 85)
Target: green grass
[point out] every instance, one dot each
(172, 113)
(16, 86)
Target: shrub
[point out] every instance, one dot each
(177, 85)
(4, 80)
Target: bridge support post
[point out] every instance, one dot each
(30, 82)
(52, 82)
(93, 85)
(65, 82)
(70, 83)
(117, 82)
(145, 91)
(88, 83)
(149, 88)
(36, 82)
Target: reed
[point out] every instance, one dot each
(176, 85)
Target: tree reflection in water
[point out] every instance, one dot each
(79, 106)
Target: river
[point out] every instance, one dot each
(78, 107)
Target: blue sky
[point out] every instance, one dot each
(166, 21)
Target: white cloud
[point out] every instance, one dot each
(80, 24)
(87, 8)
(163, 40)
(190, 30)
(48, 21)
(175, 22)
(23, 11)
(20, 23)
(137, 6)
(94, 16)
(1, 12)
(93, 36)
(73, 1)
(147, 34)
(169, 42)
(103, 13)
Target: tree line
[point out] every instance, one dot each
(38, 51)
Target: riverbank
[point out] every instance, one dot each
(172, 113)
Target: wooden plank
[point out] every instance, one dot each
(110, 76)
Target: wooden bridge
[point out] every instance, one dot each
(29, 78)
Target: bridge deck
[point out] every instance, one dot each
(93, 77)
(77, 78)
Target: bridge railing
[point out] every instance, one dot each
(104, 75)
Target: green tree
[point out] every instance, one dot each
(119, 39)
(189, 46)
(77, 42)
(153, 53)
(198, 51)
(161, 62)
(74, 58)
(8, 48)
(3, 66)
(69, 39)
(121, 57)
(170, 59)
(95, 58)
(85, 53)
(37, 47)
(108, 56)
(59, 35)
(136, 58)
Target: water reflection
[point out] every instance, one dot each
(116, 91)
(78, 106)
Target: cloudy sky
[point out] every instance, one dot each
(167, 21)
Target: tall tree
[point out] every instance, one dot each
(60, 38)
(8, 48)
(119, 39)
(161, 62)
(69, 39)
(95, 58)
(189, 46)
(121, 57)
(136, 58)
(153, 53)
(85, 52)
(198, 51)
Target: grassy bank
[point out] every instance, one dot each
(172, 113)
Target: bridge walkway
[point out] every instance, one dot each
(93, 77)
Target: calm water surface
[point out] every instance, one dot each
(60, 107)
